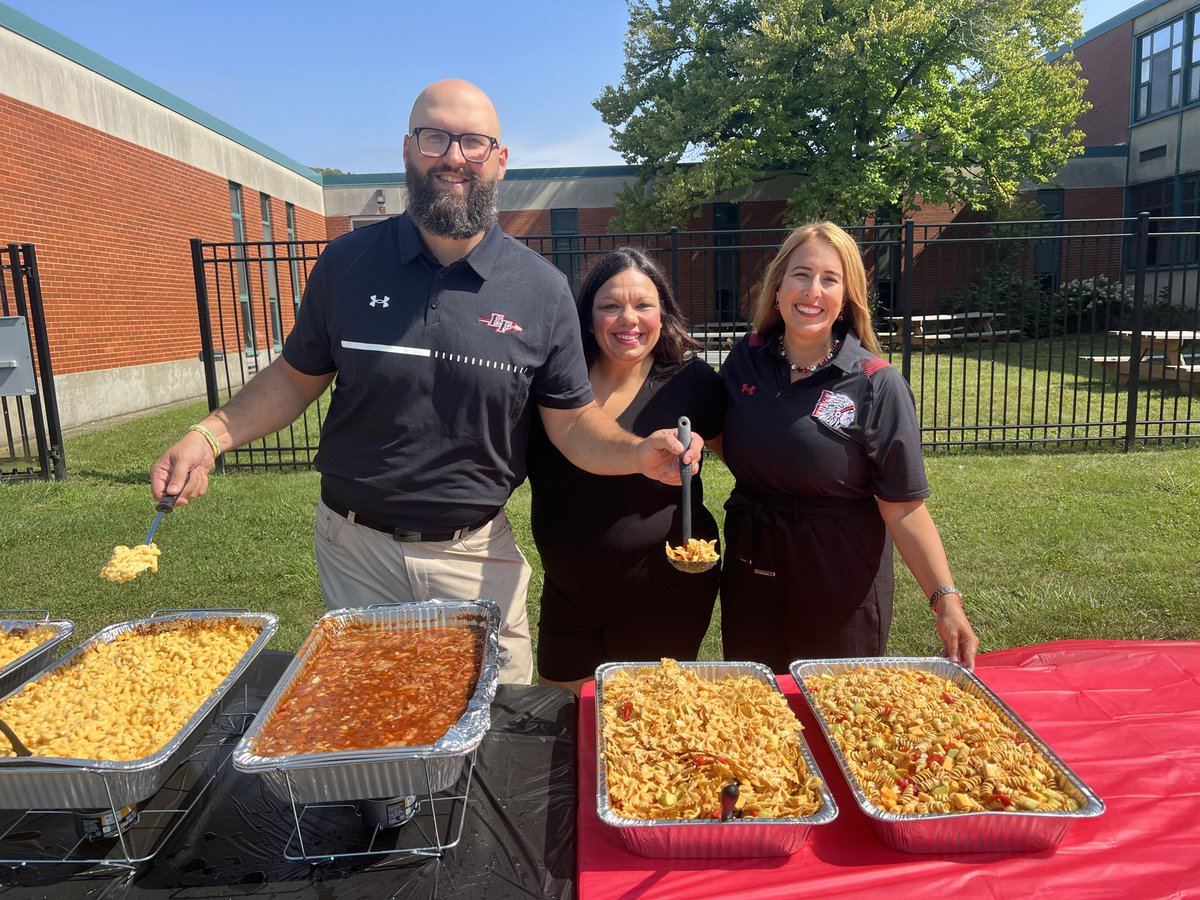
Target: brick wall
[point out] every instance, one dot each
(111, 222)
(335, 226)
(1106, 62)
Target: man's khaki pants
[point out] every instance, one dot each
(360, 566)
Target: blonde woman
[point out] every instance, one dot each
(822, 439)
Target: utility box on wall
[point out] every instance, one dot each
(17, 378)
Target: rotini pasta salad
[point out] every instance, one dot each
(918, 743)
(681, 747)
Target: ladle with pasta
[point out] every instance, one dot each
(127, 563)
(692, 555)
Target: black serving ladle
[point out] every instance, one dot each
(685, 506)
(18, 746)
(165, 505)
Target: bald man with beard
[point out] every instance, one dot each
(442, 336)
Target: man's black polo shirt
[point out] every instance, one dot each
(438, 371)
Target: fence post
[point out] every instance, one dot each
(675, 260)
(1141, 244)
(906, 299)
(32, 279)
(207, 356)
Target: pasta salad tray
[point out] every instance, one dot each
(937, 761)
(703, 759)
(110, 721)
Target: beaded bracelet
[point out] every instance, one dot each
(942, 592)
(208, 436)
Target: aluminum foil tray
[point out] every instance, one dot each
(965, 832)
(345, 775)
(64, 783)
(37, 658)
(705, 838)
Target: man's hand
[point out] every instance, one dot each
(271, 400)
(659, 455)
(189, 459)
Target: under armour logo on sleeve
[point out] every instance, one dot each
(379, 301)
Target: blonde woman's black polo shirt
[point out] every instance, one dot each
(439, 369)
(848, 431)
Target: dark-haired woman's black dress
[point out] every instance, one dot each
(610, 594)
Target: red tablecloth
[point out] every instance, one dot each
(1125, 715)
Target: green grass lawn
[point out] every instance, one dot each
(1046, 546)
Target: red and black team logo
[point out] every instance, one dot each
(834, 409)
(501, 325)
(749, 389)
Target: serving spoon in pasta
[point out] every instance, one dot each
(126, 563)
(18, 746)
(692, 555)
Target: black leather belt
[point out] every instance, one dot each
(399, 534)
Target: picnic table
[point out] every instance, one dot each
(952, 328)
(718, 335)
(1162, 356)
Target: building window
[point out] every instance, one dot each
(1194, 59)
(293, 263)
(726, 269)
(1158, 199)
(1189, 205)
(1160, 69)
(271, 274)
(564, 231)
(238, 255)
(1047, 253)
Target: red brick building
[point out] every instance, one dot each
(110, 176)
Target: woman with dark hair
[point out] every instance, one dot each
(610, 593)
(822, 438)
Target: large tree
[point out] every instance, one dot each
(870, 104)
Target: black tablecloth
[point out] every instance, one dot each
(518, 836)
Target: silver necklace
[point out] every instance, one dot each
(809, 369)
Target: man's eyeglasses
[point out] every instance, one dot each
(434, 142)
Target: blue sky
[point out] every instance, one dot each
(330, 84)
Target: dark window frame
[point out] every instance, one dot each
(238, 216)
(564, 243)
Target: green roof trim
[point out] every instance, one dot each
(562, 172)
(1115, 22)
(544, 174)
(368, 178)
(23, 25)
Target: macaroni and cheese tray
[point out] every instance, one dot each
(354, 715)
(27, 645)
(672, 740)
(127, 688)
(938, 762)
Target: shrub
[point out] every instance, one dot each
(1021, 300)
(1092, 304)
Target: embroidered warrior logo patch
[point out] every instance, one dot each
(834, 409)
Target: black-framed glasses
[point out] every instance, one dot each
(434, 142)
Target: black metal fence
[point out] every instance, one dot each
(1011, 334)
(31, 443)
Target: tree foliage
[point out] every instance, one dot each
(870, 104)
